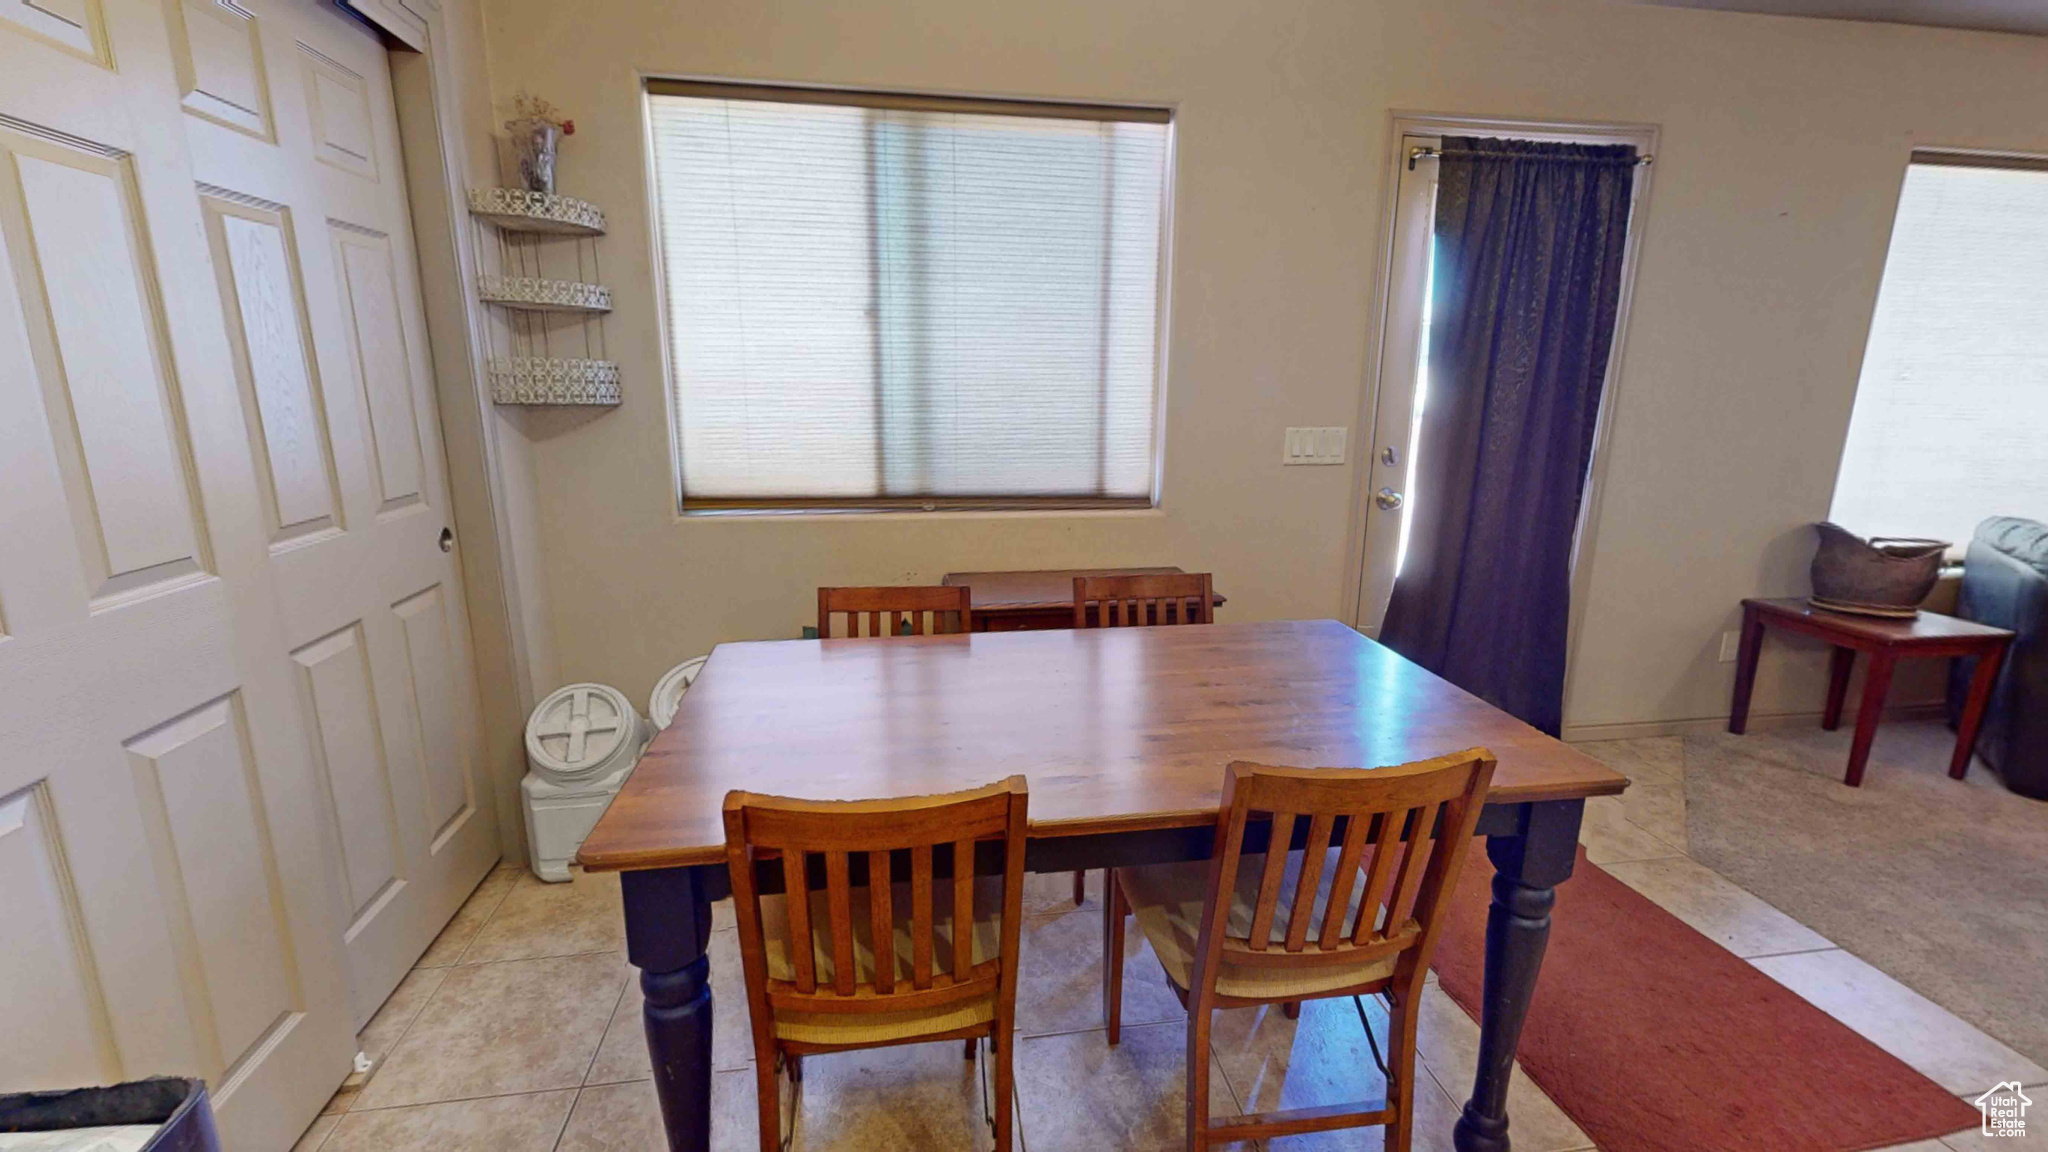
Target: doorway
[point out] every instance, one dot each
(1398, 404)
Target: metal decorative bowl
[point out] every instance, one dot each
(1881, 576)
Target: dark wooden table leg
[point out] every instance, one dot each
(1876, 683)
(1840, 663)
(1745, 668)
(668, 925)
(1982, 678)
(1528, 866)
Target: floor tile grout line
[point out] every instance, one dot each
(479, 1096)
(542, 956)
(1216, 1060)
(488, 916)
(432, 996)
(567, 1114)
(1023, 1035)
(1797, 951)
(1971, 1095)
(395, 1041)
(1637, 860)
(610, 1018)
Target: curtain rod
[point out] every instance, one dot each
(1418, 153)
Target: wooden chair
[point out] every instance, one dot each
(889, 609)
(1187, 597)
(1253, 926)
(873, 957)
(1136, 601)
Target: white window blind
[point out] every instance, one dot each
(874, 301)
(1951, 418)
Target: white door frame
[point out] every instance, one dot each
(496, 540)
(1405, 124)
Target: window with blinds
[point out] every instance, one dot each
(1951, 414)
(905, 302)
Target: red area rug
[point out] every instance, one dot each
(1653, 1037)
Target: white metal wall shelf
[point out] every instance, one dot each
(554, 380)
(518, 210)
(548, 344)
(534, 294)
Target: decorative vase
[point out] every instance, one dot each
(1881, 576)
(535, 142)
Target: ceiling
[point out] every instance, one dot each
(2028, 16)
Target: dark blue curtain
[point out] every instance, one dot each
(1529, 240)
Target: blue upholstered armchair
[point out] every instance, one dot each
(2005, 583)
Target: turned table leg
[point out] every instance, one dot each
(668, 926)
(1528, 866)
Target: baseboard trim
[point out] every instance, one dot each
(1635, 730)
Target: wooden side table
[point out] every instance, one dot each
(1031, 601)
(1885, 642)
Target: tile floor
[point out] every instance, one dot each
(520, 1029)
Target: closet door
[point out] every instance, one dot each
(234, 687)
(294, 148)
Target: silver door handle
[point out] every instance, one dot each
(447, 539)
(1387, 498)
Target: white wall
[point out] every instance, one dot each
(1783, 143)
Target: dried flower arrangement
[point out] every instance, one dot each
(527, 106)
(535, 127)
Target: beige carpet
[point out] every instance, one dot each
(1942, 884)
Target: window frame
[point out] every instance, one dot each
(686, 506)
(1933, 156)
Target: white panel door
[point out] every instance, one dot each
(163, 874)
(239, 795)
(304, 203)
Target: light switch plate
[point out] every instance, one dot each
(1730, 642)
(1314, 446)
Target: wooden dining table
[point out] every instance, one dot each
(1123, 735)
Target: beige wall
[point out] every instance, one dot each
(1782, 146)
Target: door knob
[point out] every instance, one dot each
(1387, 498)
(447, 539)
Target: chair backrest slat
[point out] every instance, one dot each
(839, 919)
(1413, 863)
(963, 908)
(1269, 880)
(882, 920)
(1386, 847)
(1331, 933)
(921, 916)
(800, 939)
(1310, 879)
(1144, 600)
(1414, 820)
(897, 610)
(758, 827)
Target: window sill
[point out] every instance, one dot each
(870, 513)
